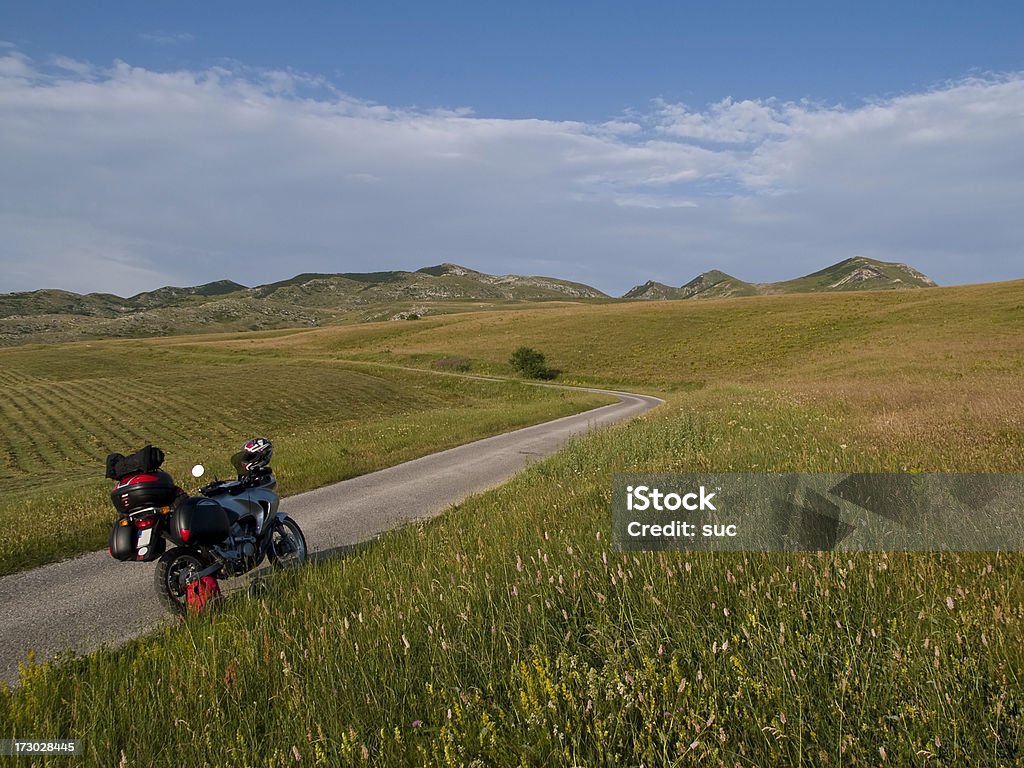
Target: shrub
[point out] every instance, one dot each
(531, 363)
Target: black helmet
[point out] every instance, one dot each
(255, 454)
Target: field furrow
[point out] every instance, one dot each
(34, 449)
(14, 445)
(119, 431)
(77, 414)
(108, 413)
(56, 438)
(183, 413)
(11, 377)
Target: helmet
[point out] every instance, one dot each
(256, 454)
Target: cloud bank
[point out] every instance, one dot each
(122, 179)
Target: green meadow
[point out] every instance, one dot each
(510, 632)
(63, 408)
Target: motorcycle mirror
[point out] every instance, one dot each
(198, 470)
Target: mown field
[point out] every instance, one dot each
(510, 632)
(63, 408)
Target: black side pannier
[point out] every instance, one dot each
(125, 542)
(196, 520)
(145, 460)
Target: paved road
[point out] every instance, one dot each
(94, 600)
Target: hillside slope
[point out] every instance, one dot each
(858, 273)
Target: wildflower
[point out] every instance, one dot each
(417, 723)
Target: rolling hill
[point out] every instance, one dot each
(858, 273)
(439, 283)
(306, 300)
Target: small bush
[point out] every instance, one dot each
(531, 364)
(451, 364)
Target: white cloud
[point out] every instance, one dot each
(15, 65)
(82, 69)
(121, 179)
(727, 121)
(652, 201)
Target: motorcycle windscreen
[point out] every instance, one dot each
(200, 521)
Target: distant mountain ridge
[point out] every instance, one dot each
(308, 299)
(49, 301)
(440, 282)
(311, 299)
(857, 273)
(444, 281)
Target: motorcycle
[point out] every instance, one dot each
(229, 529)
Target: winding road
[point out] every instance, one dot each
(93, 600)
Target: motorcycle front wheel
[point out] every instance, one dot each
(287, 544)
(174, 569)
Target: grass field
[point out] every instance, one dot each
(64, 408)
(510, 632)
(944, 334)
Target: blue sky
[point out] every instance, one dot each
(563, 61)
(606, 142)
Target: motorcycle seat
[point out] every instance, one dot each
(231, 487)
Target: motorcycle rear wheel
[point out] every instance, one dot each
(173, 570)
(287, 544)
